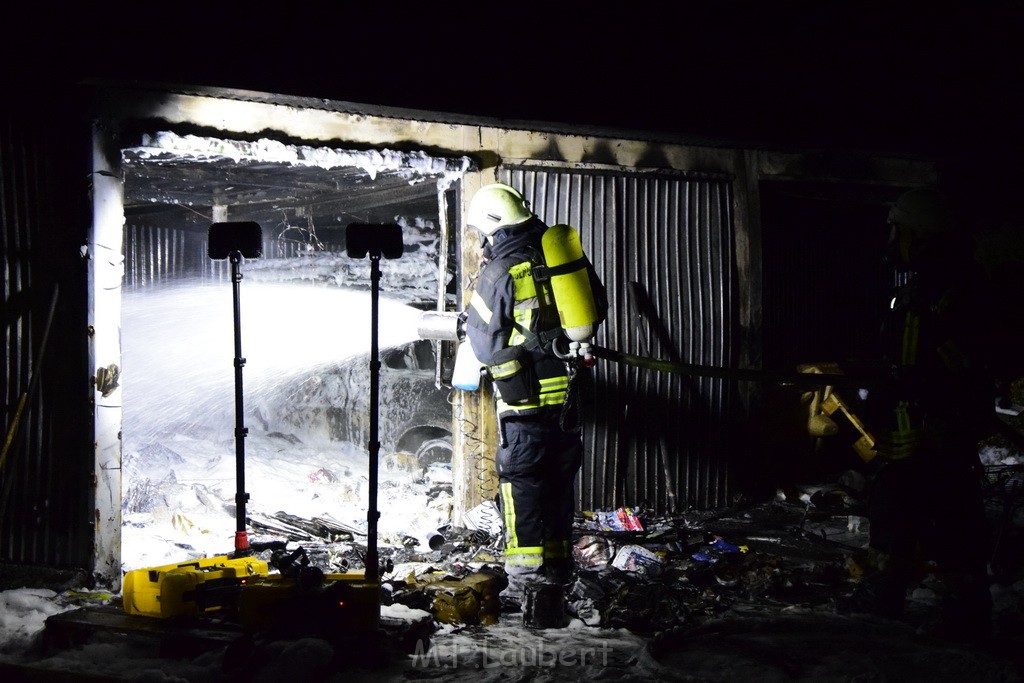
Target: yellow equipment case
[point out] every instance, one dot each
(189, 589)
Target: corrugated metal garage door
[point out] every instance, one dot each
(46, 500)
(663, 244)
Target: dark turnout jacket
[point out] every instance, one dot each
(512, 319)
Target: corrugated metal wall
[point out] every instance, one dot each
(46, 505)
(663, 245)
(156, 256)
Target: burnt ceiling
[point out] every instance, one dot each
(181, 191)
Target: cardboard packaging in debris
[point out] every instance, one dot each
(470, 600)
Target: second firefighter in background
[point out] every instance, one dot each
(515, 330)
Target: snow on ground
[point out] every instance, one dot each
(793, 643)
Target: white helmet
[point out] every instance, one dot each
(495, 207)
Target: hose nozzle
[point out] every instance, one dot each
(441, 325)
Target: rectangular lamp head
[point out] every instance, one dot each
(246, 238)
(375, 239)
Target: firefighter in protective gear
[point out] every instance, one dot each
(925, 503)
(512, 324)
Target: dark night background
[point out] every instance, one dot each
(911, 78)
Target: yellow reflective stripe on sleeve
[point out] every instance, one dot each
(502, 370)
(480, 306)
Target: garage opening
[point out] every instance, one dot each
(826, 287)
(305, 334)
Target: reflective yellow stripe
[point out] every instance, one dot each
(552, 399)
(526, 556)
(902, 418)
(904, 440)
(480, 306)
(509, 508)
(896, 449)
(553, 391)
(502, 370)
(556, 550)
(532, 556)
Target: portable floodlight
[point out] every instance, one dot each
(235, 241)
(374, 239)
(225, 239)
(362, 239)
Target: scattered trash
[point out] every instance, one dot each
(592, 552)
(586, 598)
(714, 550)
(484, 517)
(647, 607)
(636, 558)
(623, 519)
(322, 475)
(434, 540)
(641, 572)
(472, 599)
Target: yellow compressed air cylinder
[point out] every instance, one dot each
(573, 296)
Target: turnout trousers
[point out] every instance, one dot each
(929, 507)
(537, 468)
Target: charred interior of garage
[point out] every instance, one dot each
(172, 199)
(738, 271)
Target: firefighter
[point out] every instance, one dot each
(514, 329)
(925, 504)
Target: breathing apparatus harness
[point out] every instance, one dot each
(550, 337)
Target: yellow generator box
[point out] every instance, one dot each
(332, 602)
(189, 589)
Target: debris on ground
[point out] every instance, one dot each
(644, 586)
(633, 569)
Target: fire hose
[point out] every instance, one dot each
(803, 379)
(448, 326)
